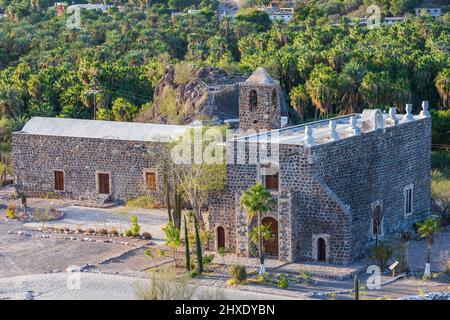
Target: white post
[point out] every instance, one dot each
(354, 130)
(393, 115)
(308, 139)
(408, 116)
(424, 113)
(333, 134)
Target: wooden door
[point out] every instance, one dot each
(150, 180)
(271, 245)
(103, 183)
(272, 182)
(59, 180)
(220, 238)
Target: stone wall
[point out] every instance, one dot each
(372, 169)
(267, 114)
(36, 157)
(328, 191)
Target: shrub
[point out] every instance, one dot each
(166, 285)
(146, 236)
(90, 231)
(102, 231)
(42, 215)
(143, 202)
(440, 191)
(331, 296)
(207, 259)
(52, 195)
(23, 199)
(282, 282)
(183, 72)
(113, 232)
(11, 211)
(135, 227)
(381, 253)
(128, 233)
(238, 273)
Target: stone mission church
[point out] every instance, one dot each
(338, 183)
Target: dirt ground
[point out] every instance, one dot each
(23, 251)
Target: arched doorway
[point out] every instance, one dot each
(271, 245)
(321, 250)
(220, 238)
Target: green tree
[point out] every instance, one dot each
(322, 88)
(256, 201)
(442, 83)
(427, 229)
(123, 110)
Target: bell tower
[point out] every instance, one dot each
(259, 102)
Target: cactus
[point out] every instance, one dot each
(186, 239)
(176, 214)
(167, 190)
(356, 287)
(199, 246)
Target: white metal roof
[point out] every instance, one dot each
(98, 129)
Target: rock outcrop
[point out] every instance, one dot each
(210, 94)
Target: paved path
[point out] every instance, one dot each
(96, 286)
(119, 218)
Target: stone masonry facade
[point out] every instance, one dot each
(35, 159)
(329, 192)
(267, 112)
(326, 193)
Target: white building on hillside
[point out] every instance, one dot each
(434, 12)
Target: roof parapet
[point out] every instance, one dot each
(338, 128)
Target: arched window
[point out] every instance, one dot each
(220, 238)
(271, 245)
(376, 221)
(274, 98)
(321, 250)
(253, 100)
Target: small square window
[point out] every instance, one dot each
(271, 182)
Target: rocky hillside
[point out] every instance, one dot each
(202, 93)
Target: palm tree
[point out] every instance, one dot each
(350, 81)
(256, 200)
(442, 83)
(427, 229)
(322, 88)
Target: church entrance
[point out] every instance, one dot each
(321, 250)
(271, 245)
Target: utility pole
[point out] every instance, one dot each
(94, 91)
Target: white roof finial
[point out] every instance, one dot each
(393, 114)
(309, 139)
(354, 130)
(408, 116)
(333, 134)
(424, 113)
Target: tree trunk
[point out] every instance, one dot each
(429, 251)
(260, 246)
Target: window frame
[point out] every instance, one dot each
(408, 194)
(146, 186)
(97, 181)
(272, 175)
